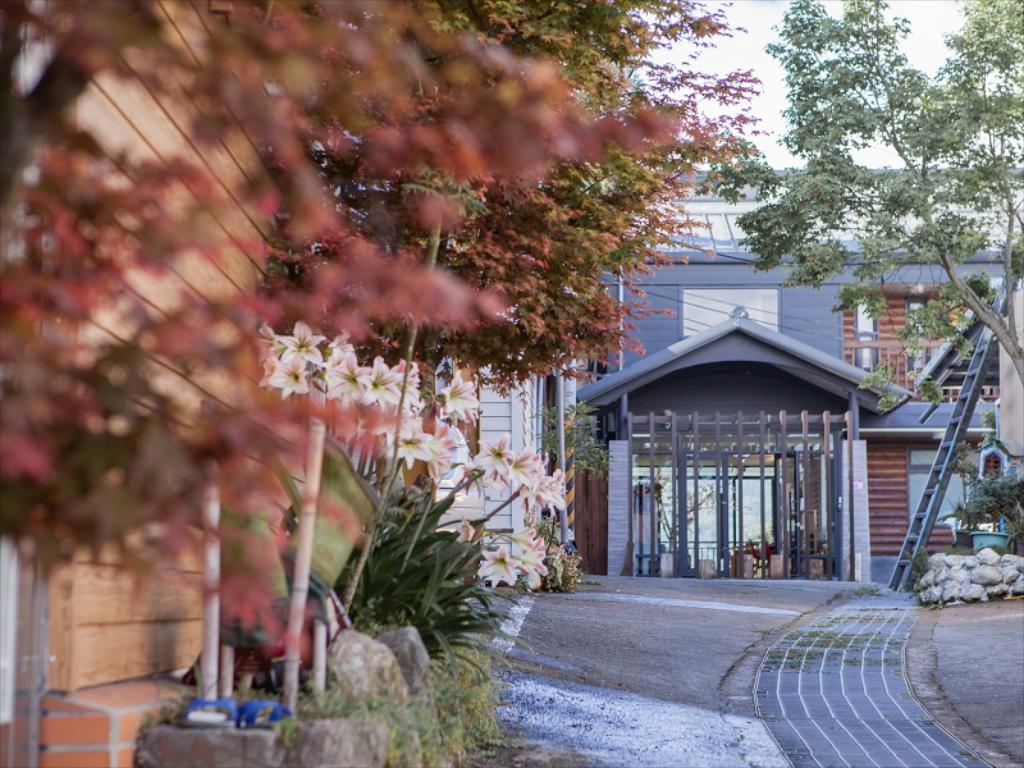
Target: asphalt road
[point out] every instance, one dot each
(651, 672)
(966, 664)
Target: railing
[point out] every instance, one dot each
(875, 354)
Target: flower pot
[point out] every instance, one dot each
(982, 539)
(962, 539)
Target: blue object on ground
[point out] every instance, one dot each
(260, 712)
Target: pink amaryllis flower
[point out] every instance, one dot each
(384, 386)
(290, 377)
(346, 380)
(414, 443)
(302, 344)
(525, 469)
(547, 493)
(460, 401)
(498, 566)
(494, 459)
(531, 563)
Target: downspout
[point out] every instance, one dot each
(853, 405)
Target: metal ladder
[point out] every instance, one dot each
(923, 521)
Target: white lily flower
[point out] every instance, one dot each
(525, 469)
(498, 566)
(290, 377)
(384, 387)
(303, 344)
(414, 444)
(460, 401)
(547, 493)
(346, 380)
(494, 458)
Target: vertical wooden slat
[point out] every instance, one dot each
(631, 541)
(721, 510)
(695, 426)
(828, 518)
(739, 480)
(849, 485)
(653, 502)
(805, 491)
(675, 491)
(761, 449)
(785, 508)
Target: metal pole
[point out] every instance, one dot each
(563, 518)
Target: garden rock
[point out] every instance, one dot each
(986, 575)
(971, 578)
(988, 556)
(169, 745)
(362, 667)
(972, 592)
(339, 743)
(411, 653)
(951, 591)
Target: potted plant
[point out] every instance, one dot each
(995, 501)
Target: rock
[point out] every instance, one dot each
(339, 743)
(988, 556)
(935, 594)
(958, 573)
(950, 591)
(997, 590)
(927, 580)
(167, 745)
(1015, 561)
(1010, 574)
(936, 561)
(972, 592)
(362, 667)
(954, 560)
(970, 561)
(1018, 587)
(941, 575)
(986, 575)
(413, 659)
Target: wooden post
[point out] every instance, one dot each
(782, 536)
(227, 671)
(319, 656)
(653, 500)
(761, 421)
(695, 427)
(303, 558)
(849, 485)
(211, 587)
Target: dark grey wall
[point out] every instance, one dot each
(732, 387)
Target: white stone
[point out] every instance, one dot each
(997, 590)
(364, 668)
(1014, 560)
(950, 591)
(936, 561)
(1018, 587)
(970, 561)
(929, 578)
(988, 556)
(986, 575)
(971, 593)
(954, 560)
(1010, 574)
(935, 594)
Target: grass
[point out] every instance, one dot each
(452, 720)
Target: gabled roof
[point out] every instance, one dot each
(713, 345)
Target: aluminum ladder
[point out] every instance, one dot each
(923, 521)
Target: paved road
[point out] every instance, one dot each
(966, 664)
(833, 692)
(651, 672)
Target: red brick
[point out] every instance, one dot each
(75, 758)
(125, 758)
(74, 729)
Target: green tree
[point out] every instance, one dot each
(958, 188)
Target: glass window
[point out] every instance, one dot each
(866, 332)
(704, 308)
(920, 466)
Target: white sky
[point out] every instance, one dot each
(930, 21)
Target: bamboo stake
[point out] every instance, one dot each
(211, 588)
(303, 559)
(227, 671)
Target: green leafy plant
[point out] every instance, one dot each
(588, 454)
(564, 567)
(993, 498)
(418, 575)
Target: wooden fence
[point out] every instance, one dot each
(592, 521)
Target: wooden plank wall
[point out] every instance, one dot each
(888, 500)
(106, 624)
(592, 522)
(894, 319)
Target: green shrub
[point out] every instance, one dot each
(453, 718)
(417, 575)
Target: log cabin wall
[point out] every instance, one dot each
(888, 499)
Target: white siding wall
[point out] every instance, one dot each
(512, 413)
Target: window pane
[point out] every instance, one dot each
(705, 308)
